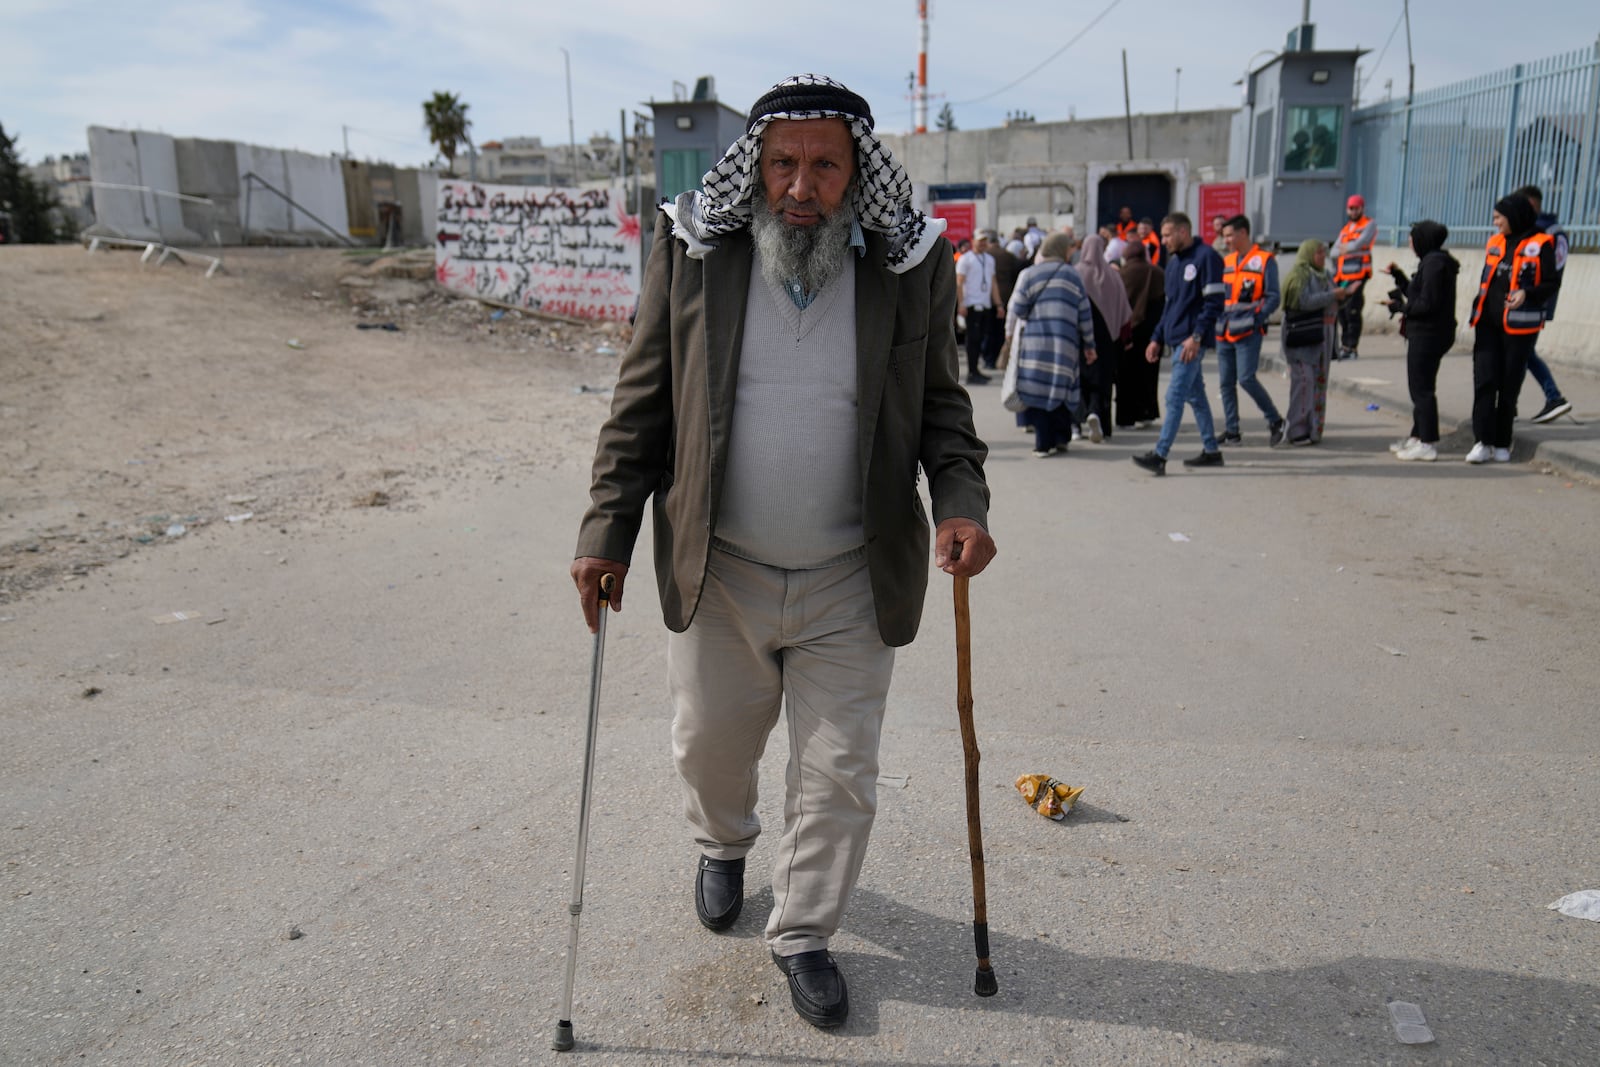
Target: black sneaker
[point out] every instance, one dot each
(1205, 459)
(977, 379)
(1553, 410)
(1151, 462)
(1277, 431)
(1230, 438)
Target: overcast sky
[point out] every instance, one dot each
(293, 73)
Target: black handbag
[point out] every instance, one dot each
(1302, 329)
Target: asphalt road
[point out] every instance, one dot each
(1338, 744)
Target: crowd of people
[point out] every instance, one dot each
(1087, 323)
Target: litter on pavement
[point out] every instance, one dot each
(1048, 797)
(1584, 904)
(1409, 1025)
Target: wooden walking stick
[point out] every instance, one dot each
(985, 984)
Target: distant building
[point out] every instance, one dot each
(68, 178)
(529, 161)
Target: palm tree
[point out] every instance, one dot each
(445, 119)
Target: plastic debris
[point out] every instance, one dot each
(296, 343)
(1409, 1025)
(1584, 904)
(1181, 538)
(177, 529)
(497, 314)
(1372, 407)
(1391, 651)
(605, 350)
(241, 517)
(175, 616)
(1048, 797)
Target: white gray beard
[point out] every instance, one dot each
(810, 255)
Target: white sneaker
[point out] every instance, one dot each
(1092, 423)
(1502, 455)
(1481, 453)
(1418, 450)
(1077, 435)
(1404, 443)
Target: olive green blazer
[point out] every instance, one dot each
(666, 440)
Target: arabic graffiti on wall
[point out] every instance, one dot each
(568, 251)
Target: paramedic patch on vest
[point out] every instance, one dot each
(1189, 273)
(1254, 264)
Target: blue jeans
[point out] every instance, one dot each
(1541, 374)
(1237, 362)
(1186, 386)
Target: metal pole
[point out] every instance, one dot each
(249, 187)
(1578, 192)
(1405, 138)
(1177, 80)
(1127, 102)
(1502, 186)
(346, 141)
(572, 137)
(563, 1040)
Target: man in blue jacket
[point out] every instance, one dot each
(1195, 298)
(1555, 405)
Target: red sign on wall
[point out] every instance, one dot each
(961, 216)
(1220, 198)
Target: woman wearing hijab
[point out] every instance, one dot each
(1112, 314)
(1519, 277)
(1059, 329)
(1427, 301)
(1138, 392)
(1309, 300)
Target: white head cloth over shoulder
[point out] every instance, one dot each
(882, 191)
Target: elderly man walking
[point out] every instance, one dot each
(1194, 300)
(793, 363)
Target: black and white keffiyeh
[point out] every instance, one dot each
(882, 194)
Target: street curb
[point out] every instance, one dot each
(1524, 449)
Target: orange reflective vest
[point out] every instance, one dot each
(1127, 230)
(1152, 248)
(1246, 280)
(1357, 266)
(1525, 319)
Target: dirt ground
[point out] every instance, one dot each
(143, 404)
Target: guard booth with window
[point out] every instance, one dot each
(690, 135)
(1290, 143)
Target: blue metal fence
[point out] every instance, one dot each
(1457, 149)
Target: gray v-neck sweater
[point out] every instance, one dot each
(792, 497)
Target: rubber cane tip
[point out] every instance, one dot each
(986, 984)
(563, 1041)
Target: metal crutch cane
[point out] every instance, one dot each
(984, 983)
(563, 1040)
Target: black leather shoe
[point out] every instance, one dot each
(719, 892)
(816, 988)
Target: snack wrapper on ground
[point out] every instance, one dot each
(1048, 797)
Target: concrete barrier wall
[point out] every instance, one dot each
(1571, 339)
(158, 168)
(267, 212)
(130, 157)
(316, 183)
(216, 170)
(213, 166)
(113, 158)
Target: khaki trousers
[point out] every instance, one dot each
(764, 638)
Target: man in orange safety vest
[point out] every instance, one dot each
(1352, 259)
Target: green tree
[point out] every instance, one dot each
(946, 120)
(445, 119)
(24, 201)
